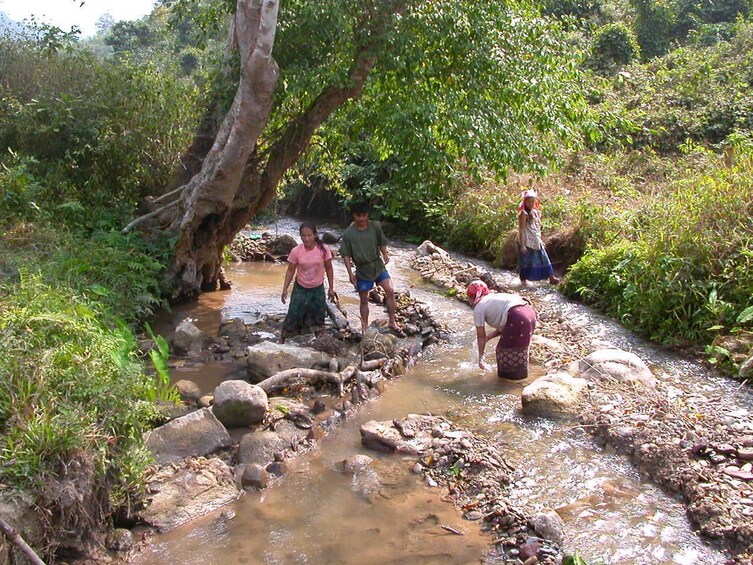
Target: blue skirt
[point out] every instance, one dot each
(535, 265)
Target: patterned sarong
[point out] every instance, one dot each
(534, 265)
(307, 310)
(512, 348)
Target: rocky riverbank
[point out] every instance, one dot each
(694, 445)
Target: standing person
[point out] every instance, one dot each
(513, 320)
(309, 262)
(364, 244)
(533, 262)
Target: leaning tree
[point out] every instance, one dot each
(479, 82)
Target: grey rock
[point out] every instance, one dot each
(267, 358)
(284, 245)
(329, 238)
(234, 329)
(188, 490)
(120, 539)
(238, 403)
(556, 394)
(613, 364)
(189, 391)
(255, 476)
(198, 433)
(260, 448)
(188, 338)
(549, 525)
(355, 463)
(746, 368)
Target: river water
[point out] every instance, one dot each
(318, 515)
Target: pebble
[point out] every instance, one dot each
(418, 468)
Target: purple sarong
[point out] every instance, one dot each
(513, 345)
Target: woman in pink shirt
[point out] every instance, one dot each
(309, 262)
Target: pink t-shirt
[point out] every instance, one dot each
(309, 264)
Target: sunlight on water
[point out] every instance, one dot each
(319, 515)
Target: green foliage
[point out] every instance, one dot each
(654, 26)
(99, 132)
(439, 102)
(614, 46)
(684, 268)
(574, 559)
(697, 94)
(68, 384)
(159, 355)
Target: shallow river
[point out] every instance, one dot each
(316, 515)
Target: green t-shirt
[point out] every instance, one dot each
(362, 246)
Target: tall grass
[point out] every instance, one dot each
(684, 270)
(69, 383)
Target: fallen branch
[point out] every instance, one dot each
(286, 378)
(451, 530)
(17, 540)
(334, 313)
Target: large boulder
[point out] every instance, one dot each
(376, 342)
(429, 248)
(260, 448)
(198, 433)
(549, 525)
(188, 338)
(283, 245)
(186, 491)
(613, 364)
(267, 358)
(239, 403)
(556, 394)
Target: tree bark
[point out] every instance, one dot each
(235, 181)
(284, 379)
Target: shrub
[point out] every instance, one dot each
(683, 272)
(68, 383)
(613, 46)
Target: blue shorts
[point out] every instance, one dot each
(364, 285)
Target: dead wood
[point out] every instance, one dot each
(15, 538)
(289, 377)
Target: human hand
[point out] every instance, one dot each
(332, 295)
(352, 279)
(284, 297)
(523, 250)
(386, 258)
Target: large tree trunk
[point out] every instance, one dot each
(235, 182)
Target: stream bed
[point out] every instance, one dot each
(316, 514)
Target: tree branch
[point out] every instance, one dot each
(17, 540)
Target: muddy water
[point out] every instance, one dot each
(319, 515)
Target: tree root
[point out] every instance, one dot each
(17, 540)
(286, 378)
(141, 219)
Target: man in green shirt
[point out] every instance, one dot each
(364, 245)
